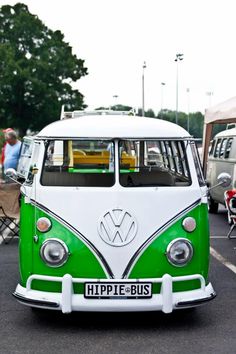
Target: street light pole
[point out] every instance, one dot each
(115, 98)
(178, 57)
(209, 94)
(162, 90)
(188, 93)
(143, 107)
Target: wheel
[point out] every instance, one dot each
(213, 206)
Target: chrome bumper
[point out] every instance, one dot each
(67, 301)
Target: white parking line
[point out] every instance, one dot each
(221, 259)
(7, 231)
(218, 237)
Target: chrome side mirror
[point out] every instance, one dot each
(224, 179)
(11, 173)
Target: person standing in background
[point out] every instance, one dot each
(11, 150)
(3, 148)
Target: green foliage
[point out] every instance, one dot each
(36, 71)
(166, 114)
(139, 113)
(117, 107)
(196, 121)
(218, 128)
(120, 107)
(149, 113)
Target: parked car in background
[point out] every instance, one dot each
(222, 158)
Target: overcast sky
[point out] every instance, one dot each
(115, 37)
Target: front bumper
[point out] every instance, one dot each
(67, 301)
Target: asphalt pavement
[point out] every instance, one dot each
(206, 329)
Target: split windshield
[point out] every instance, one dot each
(91, 163)
(153, 163)
(79, 163)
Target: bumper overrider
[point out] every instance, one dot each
(67, 301)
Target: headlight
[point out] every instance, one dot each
(54, 252)
(179, 252)
(43, 224)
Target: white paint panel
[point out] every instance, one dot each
(84, 207)
(113, 126)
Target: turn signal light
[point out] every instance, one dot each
(43, 224)
(189, 224)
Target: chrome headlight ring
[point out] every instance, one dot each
(54, 252)
(179, 252)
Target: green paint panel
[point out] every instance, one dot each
(81, 263)
(153, 262)
(51, 286)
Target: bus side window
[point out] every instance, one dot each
(217, 148)
(212, 148)
(228, 147)
(23, 168)
(197, 164)
(222, 148)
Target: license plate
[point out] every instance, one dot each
(118, 290)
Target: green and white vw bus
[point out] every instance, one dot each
(116, 217)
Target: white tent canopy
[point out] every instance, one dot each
(222, 113)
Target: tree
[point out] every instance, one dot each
(37, 68)
(149, 113)
(117, 107)
(167, 114)
(195, 121)
(121, 107)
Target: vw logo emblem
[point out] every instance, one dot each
(117, 227)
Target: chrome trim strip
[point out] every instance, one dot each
(196, 302)
(184, 138)
(78, 234)
(155, 235)
(35, 302)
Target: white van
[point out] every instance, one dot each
(222, 158)
(114, 216)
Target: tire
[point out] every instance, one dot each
(213, 206)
